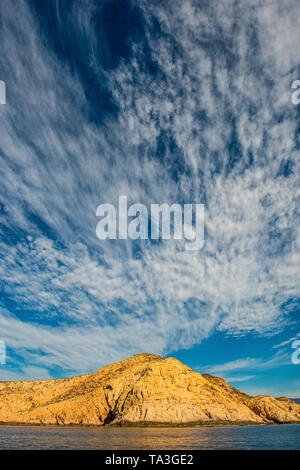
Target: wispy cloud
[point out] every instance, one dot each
(251, 364)
(26, 373)
(286, 343)
(238, 364)
(244, 378)
(290, 390)
(202, 113)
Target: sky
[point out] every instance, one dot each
(164, 102)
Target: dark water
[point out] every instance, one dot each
(235, 437)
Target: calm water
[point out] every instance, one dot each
(235, 437)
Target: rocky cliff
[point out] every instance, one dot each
(144, 389)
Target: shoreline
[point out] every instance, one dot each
(143, 425)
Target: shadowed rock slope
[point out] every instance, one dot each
(144, 389)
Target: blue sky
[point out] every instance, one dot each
(164, 102)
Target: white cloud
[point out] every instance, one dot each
(27, 373)
(292, 390)
(249, 364)
(244, 378)
(103, 301)
(238, 364)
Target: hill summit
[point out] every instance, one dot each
(143, 390)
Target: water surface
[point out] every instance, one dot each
(227, 437)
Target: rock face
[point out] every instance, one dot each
(144, 389)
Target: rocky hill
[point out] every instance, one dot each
(144, 389)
